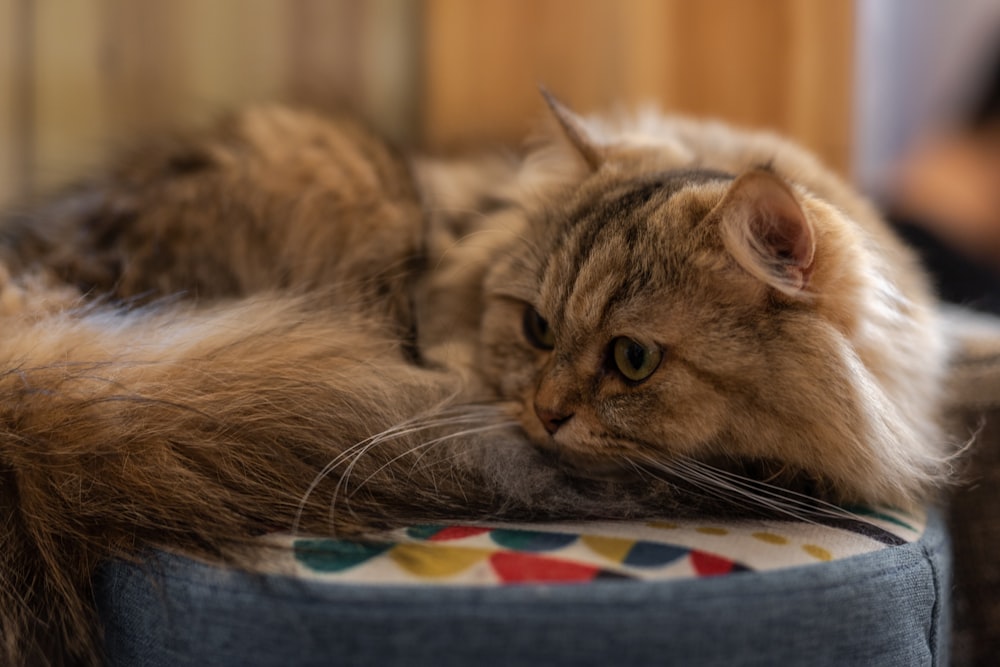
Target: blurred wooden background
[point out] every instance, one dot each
(79, 77)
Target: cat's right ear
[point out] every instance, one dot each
(766, 231)
(573, 131)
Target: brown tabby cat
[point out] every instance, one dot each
(283, 324)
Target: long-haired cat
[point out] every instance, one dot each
(282, 324)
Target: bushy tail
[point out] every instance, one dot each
(200, 428)
(197, 429)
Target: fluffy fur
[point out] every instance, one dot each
(795, 328)
(282, 324)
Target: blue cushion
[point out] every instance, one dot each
(884, 607)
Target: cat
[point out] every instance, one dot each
(281, 323)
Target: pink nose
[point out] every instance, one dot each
(552, 419)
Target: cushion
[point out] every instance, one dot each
(841, 591)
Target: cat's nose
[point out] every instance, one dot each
(552, 419)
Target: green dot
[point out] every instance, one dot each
(336, 555)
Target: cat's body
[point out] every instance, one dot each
(282, 324)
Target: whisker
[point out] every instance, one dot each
(811, 503)
(406, 427)
(424, 446)
(734, 491)
(709, 486)
(772, 501)
(738, 487)
(444, 416)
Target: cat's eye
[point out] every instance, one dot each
(537, 330)
(634, 361)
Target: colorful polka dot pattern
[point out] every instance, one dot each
(511, 556)
(575, 553)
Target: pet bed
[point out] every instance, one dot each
(865, 591)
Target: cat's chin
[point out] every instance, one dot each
(587, 467)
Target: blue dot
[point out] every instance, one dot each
(531, 540)
(651, 554)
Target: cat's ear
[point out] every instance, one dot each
(767, 232)
(574, 132)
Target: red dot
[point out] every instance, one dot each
(710, 565)
(457, 533)
(519, 568)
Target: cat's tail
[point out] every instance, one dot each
(200, 428)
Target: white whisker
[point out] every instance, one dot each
(443, 417)
(813, 504)
(424, 446)
(734, 486)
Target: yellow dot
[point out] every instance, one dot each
(612, 548)
(435, 560)
(666, 525)
(712, 530)
(770, 538)
(817, 552)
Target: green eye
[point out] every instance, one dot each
(537, 330)
(633, 360)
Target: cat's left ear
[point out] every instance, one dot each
(573, 130)
(767, 232)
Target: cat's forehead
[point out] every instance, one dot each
(621, 237)
(619, 207)
(623, 191)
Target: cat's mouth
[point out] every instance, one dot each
(567, 450)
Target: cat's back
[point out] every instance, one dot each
(268, 198)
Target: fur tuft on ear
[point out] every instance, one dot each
(573, 131)
(767, 232)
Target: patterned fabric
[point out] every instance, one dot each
(491, 555)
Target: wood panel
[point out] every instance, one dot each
(782, 64)
(392, 75)
(483, 62)
(87, 76)
(69, 108)
(7, 166)
(820, 87)
(235, 52)
(15, 111)
(359, 55)
(80, 78)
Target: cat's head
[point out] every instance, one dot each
(655, 309)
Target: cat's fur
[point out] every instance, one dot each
(282, 323)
